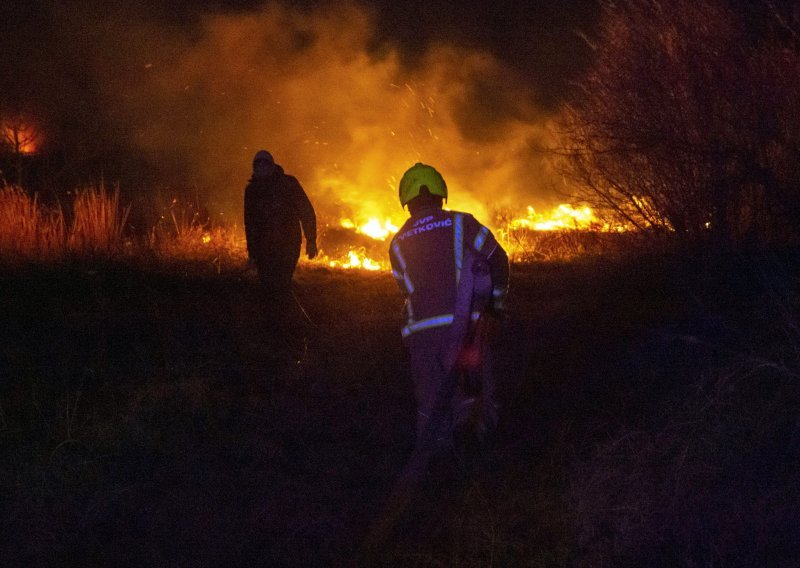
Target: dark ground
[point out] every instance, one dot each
(155, 416)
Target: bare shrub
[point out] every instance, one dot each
(686, 123)
(20, 137)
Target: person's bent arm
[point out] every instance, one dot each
(249, 222)
(308, 220)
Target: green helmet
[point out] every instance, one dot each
(420, 175)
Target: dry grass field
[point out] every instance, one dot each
(152, 413)
(154, 410)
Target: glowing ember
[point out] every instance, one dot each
(206, 238)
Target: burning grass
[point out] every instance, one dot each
(183, 233)
(526, 245)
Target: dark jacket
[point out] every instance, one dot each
(426, 256)
(275, 207)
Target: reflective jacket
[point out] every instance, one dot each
(274, 209)
(427, 256)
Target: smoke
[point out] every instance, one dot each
(197, 101)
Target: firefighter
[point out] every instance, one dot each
(275, 208)
(454, 275)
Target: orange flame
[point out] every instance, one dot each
(357, 258)
(564, 217)
(373, 228)
(560, 218)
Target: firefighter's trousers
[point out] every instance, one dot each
(471, 402)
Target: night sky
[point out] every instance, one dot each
(155, 92)
(540, 38)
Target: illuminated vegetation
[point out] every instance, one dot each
(98, 221)
(98, 227)
(28, 230)
(687, 121)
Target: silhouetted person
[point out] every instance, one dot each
(275, 208)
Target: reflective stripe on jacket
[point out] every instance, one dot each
(427, 256)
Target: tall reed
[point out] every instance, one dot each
(28, 230)
(97, 222)
(184, 232)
